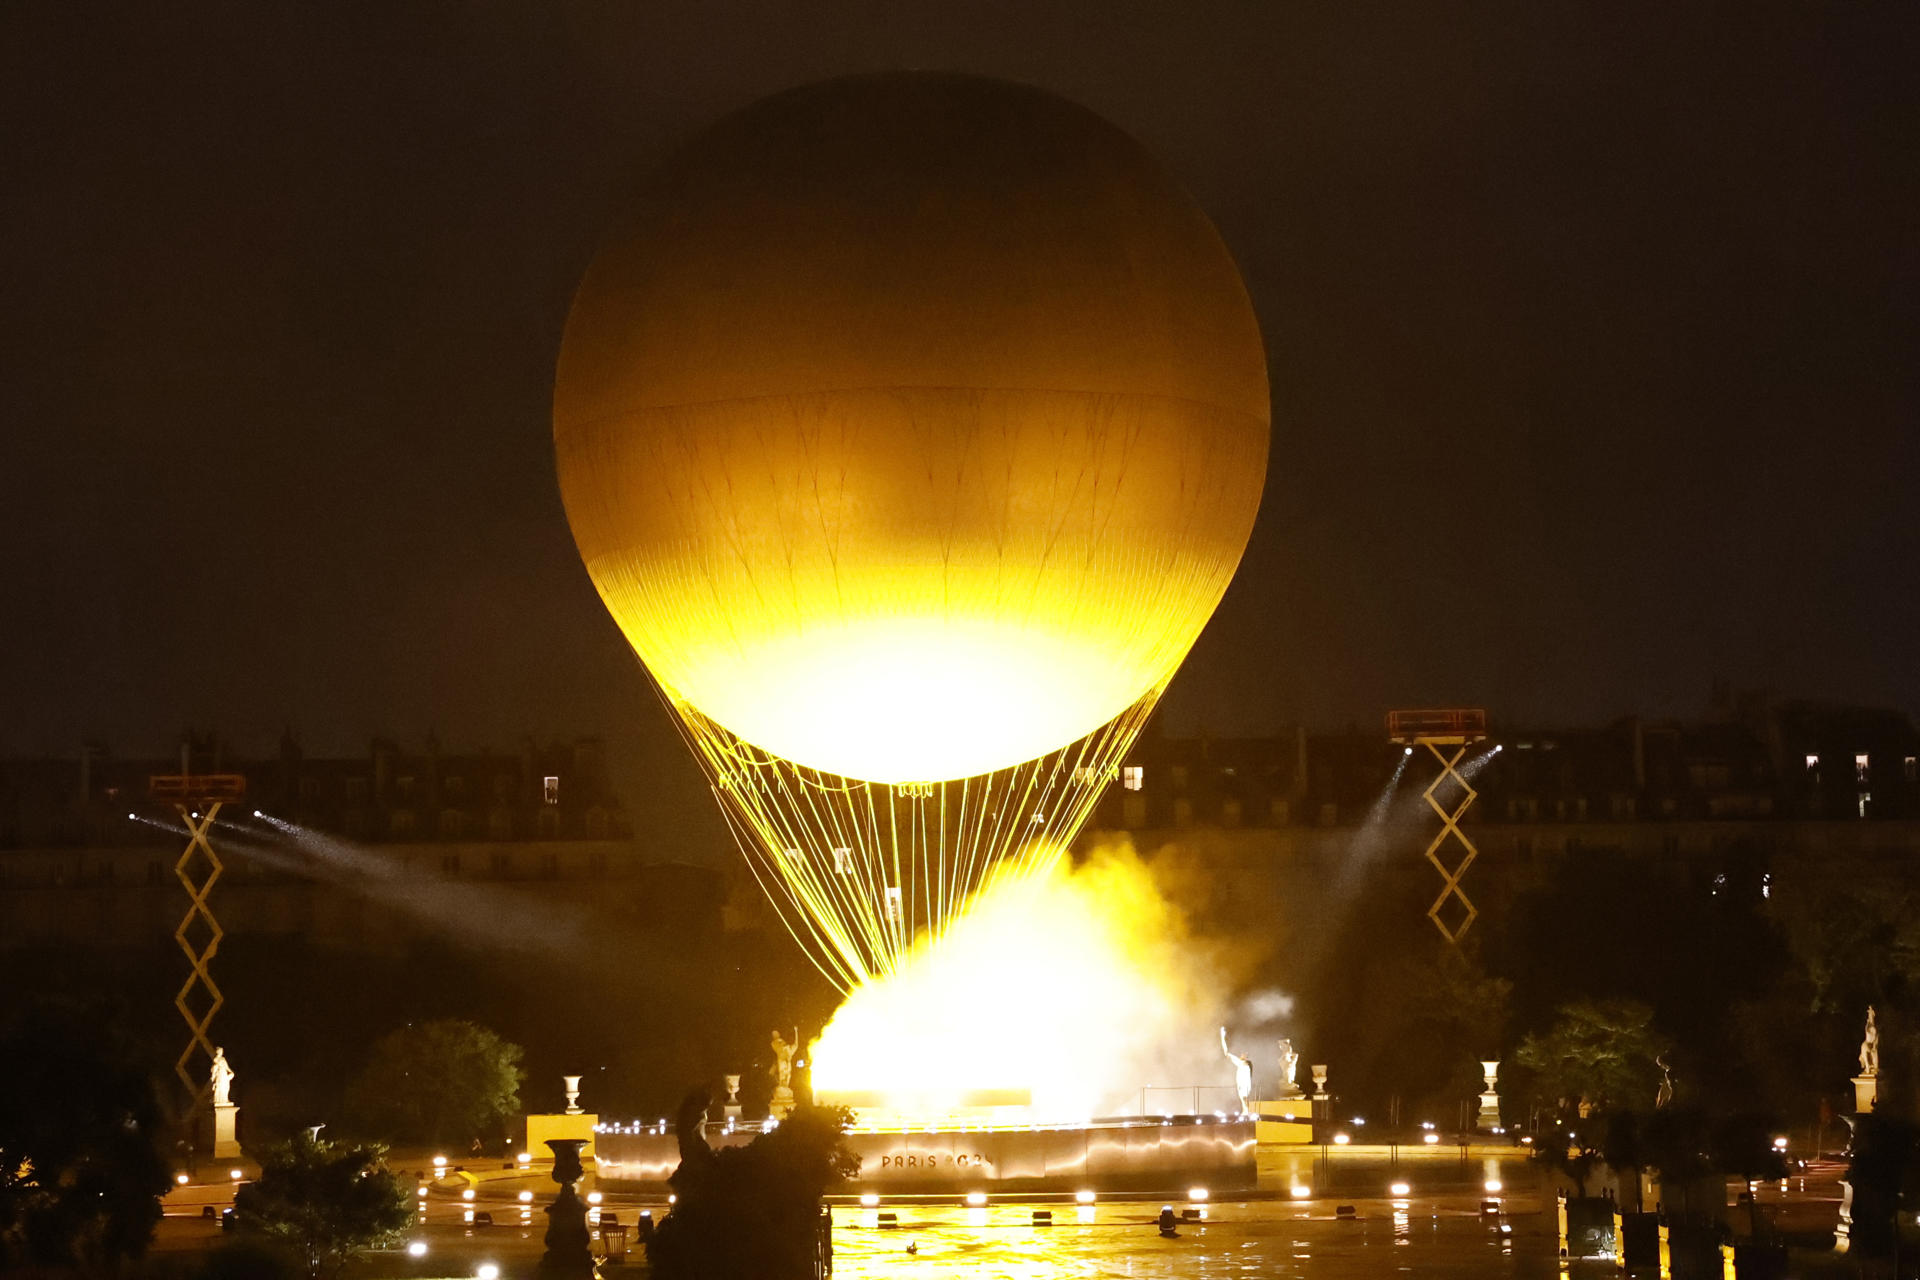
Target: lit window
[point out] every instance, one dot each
(1813, 764)
(843, 861)
(1133, 777)
(1860, 767)
(550, 790)
(895, 911)
(1866, 802)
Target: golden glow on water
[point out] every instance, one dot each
(1075, 986)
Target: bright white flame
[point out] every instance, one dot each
(1072, 986)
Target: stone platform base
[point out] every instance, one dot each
(1106, 1155)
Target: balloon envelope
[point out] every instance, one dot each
(912, 426)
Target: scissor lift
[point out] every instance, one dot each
(197, 798)
(1437, 730)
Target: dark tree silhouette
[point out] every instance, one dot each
(752, 1212)
(81, 1170)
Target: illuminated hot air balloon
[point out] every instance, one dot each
(911, 427)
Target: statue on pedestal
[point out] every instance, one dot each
(1242, 1074)
(1663, 1097)
(1870, 1047)
(221, 1079)
(1289, 1067)
(782, 1071)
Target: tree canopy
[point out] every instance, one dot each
(442, 1081)
(326, 1201)
(81, 1171)
(1600, 1052)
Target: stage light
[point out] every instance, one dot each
(439, 1162)
(526, 1197)
(1400, 1189)
(423, 1193)
(1779, 1144)
(235, 1174)
(487, 1271)
(418, 1249)
(1299, 1191)
(467, 1194)
(525, 1157)
(1083, 1197)
(180, 1178)
(1493, 1184)
(593, 1197)
(1196, 1193)
(869, 1200)
(1432, 1139)
(975, 1199)
(1341, 1139)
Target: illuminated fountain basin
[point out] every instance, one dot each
(1121, 1154)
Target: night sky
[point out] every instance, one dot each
(1592, 335)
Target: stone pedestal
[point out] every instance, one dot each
(782, 1105)
(226, 1146)
(1866, 1092)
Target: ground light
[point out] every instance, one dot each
(467, 1194)
(869, 1200)
(526, 1197)
(1400, 1190)
(417, 1249)
(180, 1178)
(1196, 1193)
(235, 1174)
(1083, 1197)
(1299, 1192)
(487, 1271)
(593, 1197)
(975, 1199)
(1341, 1139)
(1432, 1139)
(422, 1193)
(1493, 1184)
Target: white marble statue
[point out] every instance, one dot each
(783, 1049)
(1242, 1074)
(1870, 1048)
(222, 1079)
(1289, 1067)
